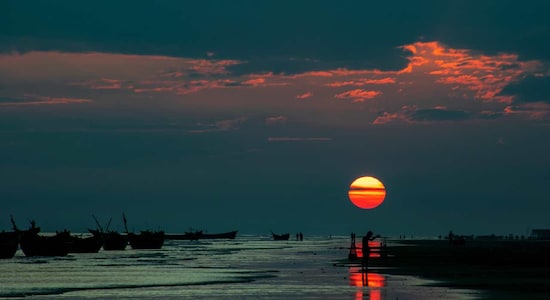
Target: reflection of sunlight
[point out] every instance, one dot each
(373, 280)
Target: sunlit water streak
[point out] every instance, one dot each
(250, 267)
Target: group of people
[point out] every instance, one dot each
(299, 236)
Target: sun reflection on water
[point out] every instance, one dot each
(375, 282)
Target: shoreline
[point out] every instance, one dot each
(498, 269)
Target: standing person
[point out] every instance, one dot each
(366, 249)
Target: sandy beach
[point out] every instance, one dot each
(501, 269)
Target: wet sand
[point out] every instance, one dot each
(504, 269)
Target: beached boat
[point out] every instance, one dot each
(280, 237)
(33, 244)
(80, 244)
(9, 241)
(112, 240)
(226, 235)
(146, 239)
(187, 236)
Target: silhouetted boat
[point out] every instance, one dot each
(33, 244)
(79, 244)
(112, 240)
(146, 239)
(9, 241)
(187, 236)
(280, 237)
(226, 235)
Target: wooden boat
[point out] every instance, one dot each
(91, 244)
(33, 244)
(146, 239)
(187, 236)
(112, 240)
(9, 241)
(280, 237)
(226, 235)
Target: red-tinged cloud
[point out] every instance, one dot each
(358, 95)
(30, 100)
(275, 120)
(207, 66)
(362, 82)
(298, 139)
(533, 111)
(384, 118)
(102, 84)
(481, 76)
(304, 95)
(313, 74)
(413, 114)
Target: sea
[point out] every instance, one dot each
(248, 267)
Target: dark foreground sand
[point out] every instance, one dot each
(505, 269)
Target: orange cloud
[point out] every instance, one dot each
(362, 82)
(304, 95)
(482, 75)
(386, 117)
(358, 95)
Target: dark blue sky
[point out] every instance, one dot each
(256, 116)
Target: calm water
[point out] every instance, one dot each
(249, 267)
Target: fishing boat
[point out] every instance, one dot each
(187, 236)
(33, 244)
(9, 242)
(146, 239)
(112, 240)
(280, 237)
(226, 235)
(81, 244)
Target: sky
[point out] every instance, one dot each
(258, 115)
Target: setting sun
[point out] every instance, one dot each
(367, 192)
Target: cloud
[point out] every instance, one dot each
(275, 120)
(223, 125)
(30, 100)
(358, 95)
(385, 117)
(304, 95)
(298, 139)
(102, 84)
(529, 89)
(533, 111)
(362, 82)
(483, 76)
(437, 114)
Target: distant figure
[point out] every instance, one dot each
(352, 255)
(451, 237)
(301, 236)
(297, 236)
(366, 249)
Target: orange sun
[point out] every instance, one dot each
(367, 192)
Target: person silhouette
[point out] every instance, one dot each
(366, 249)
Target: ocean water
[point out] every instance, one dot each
(249, 267)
